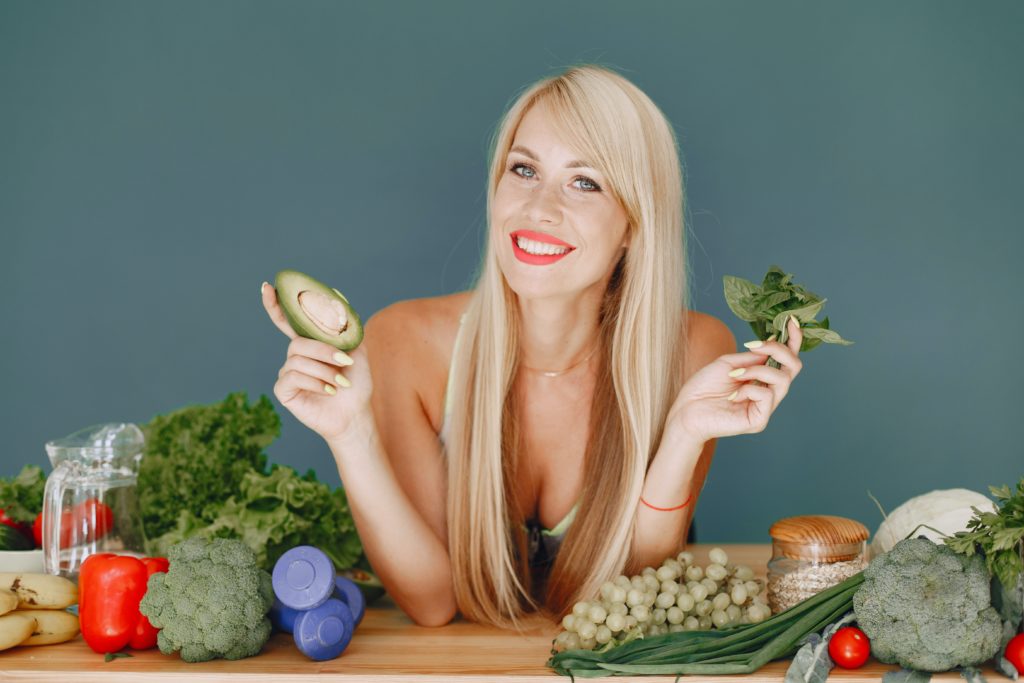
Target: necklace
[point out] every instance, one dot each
(556, 373)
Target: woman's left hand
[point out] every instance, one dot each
(713, 404)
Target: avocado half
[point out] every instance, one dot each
(317, 311)
(367, 581)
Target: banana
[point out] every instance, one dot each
(8, 601)
(40, 591)
(52, 626)
(14, 629)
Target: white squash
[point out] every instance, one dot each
(947, 510)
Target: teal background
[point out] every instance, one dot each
(158, 161)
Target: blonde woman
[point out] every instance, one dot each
(521, 443)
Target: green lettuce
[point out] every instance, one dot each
(21, 497)
(204, 474)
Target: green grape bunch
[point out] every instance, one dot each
(678, 596)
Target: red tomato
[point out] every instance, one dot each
(849, 647)
(37, 530)
(1015, 652)
(91, 518)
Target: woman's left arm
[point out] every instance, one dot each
(720, 399)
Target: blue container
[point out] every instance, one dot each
(324, 632)
(348, 592)
(303, 578)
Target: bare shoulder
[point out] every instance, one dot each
(410, 343)
(707, 339)
(416, 326)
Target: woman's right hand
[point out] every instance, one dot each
(308, 385)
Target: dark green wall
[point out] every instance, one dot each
(159, 160)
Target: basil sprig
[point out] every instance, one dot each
(768, 307)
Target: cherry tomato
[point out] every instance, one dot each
(1015, 652)
(849, 648)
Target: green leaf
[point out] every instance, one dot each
(804, 314)
(823, 335)
(972, 674)
(906, 676)
(739, 295)
(775, 279)
(769, 301)
(111, 656)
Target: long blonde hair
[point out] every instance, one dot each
(610, 121)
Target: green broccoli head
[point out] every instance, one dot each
(927, 608)
(212, 602)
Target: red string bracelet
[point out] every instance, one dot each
(678, 507)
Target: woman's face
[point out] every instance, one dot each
(558, 230)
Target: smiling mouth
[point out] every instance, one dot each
(536, 253)
(538, 248)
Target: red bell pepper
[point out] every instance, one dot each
(110, 588)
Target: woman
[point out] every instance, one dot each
(571, 390)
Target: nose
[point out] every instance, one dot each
(544, 204)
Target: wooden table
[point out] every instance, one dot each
(386, 647)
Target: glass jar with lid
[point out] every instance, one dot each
(811, 553)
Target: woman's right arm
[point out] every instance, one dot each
(386, 451)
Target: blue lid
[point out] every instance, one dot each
(348, 592)
(303, 577)
(325, 631)
(283, 617)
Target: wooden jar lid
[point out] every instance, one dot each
(824, 538)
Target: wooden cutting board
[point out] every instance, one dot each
(386, 647)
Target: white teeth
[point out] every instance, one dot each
(539, 248)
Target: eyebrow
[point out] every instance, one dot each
(575, 163)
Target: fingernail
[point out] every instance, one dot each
(343, 358)
(756, 344)
(330, 390)
(263, 287)
(794, 320)
(737, 372)
(341, 380)
(732, 396)
(771, 338)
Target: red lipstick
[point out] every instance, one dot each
(538, 259)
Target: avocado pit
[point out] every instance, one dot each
(327, 313)
(319, 312)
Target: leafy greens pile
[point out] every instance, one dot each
(204, 473)
(768, 307)
(21, 497)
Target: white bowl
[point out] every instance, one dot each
(21, 561)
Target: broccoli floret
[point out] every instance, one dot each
(212, 602)
(927, 608)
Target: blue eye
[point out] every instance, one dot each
(594, 187)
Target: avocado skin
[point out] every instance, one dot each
(367, 581)
(289, 283)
